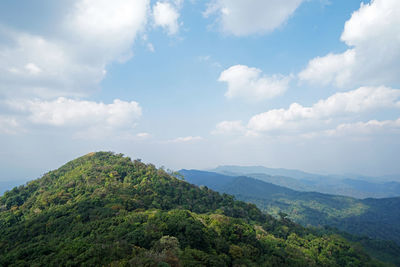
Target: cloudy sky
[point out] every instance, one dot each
(306, 84)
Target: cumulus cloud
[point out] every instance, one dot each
(366, 128)
(332, 68)
(373, 57)
(32, 68)
(250, 83)
(340, 104)
(165, 15)
(72, 62)
(229, 127)
(106, 26)
(245, 17)
(33, 65)
(298, 118)
(78, 115)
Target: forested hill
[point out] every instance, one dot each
(104, 209)
(375, 218)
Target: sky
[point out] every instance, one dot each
(302, 84)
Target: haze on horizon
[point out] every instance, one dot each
(309, 85)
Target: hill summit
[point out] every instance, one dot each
(103, 209)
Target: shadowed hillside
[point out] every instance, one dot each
(350, 185)
(375, 218)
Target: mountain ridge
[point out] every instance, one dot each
(358, 187)
(377, 218)
(105, 209)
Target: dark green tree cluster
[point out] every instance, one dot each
(104, 209)
(375, 218)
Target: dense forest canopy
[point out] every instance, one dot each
(368, 218)
(376, 218)
(105, 209)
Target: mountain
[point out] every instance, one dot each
(241, 170)
(352, 185)
(103, 209)
(375, 218)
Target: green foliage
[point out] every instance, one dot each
(105, 210)
(375, 218)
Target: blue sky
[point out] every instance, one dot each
(312, 85)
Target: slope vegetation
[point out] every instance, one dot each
(375, 218)
(105, 210)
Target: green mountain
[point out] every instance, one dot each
(375, 218)
(104, 209)
(351, 185)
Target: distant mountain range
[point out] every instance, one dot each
(376, 218)
(235, 170)
(351, 185)
(103, 209)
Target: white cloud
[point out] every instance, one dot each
(356, 101)
(107, 26)
(372, 33)
(78, 114)
(250, 83)
(73, 61)
(371, 127)
(43, 67)
(332, 68)
(166, 16)
(32, 68)
(229, 127)
(340, 104)
(186, 139)
(322, 114)
(245, 17)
